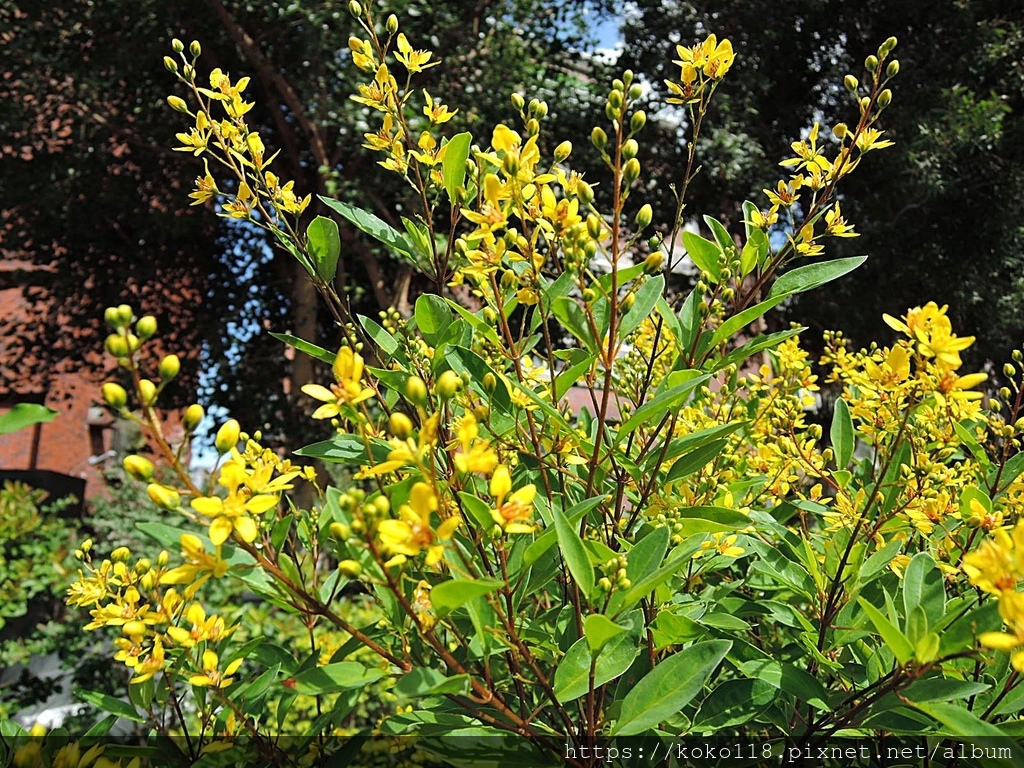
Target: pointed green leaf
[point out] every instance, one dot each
(109, 704)
(739, 321)
(449, 595)
(456, 152)
(342, 676)
(599, 630)
(24, 415)
(694, 460)
(374, 227)
(575, 554)
(646, 299)
(324, 246)
(842, 434)
(813, 276)
(669, 687)
(705, 254)
(318, 353)
(893, 638)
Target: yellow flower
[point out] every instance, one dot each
(437, 113)
(870, 138)
(997, 566)
(512, 513)
(231, 514)
(1011, 608)
(931, 329)
(348, 373)
(476, 454)
(414, 61)
(412, 532)
(211, 675)
(203, 628)
(206, 187)
(836, 225)
(148, 665)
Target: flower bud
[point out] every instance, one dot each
(193, 415)
(1009, 371)
(146, 327)
(114, 395)
(871, 63)
(355, 8)
(125, 314)
(627, 302)
(865, 104)
(416, 390)
(340, 531)
(631, 172)
(163, 496)
(177, 103)
(594, 226)
(170, 64)
(169, 367)
(615, 99)
(177, 46)
(644, 216)
(447, 385)
(840, 131)
(562, 151)
(635, 92)
(117, 345)
(139, 467)
(112, 317)
(885, 98)
(541, 109)
(400, 425)
(599, 138)
(481, 413)
(585, 193)
(893, 69)
(589, 294)
(508, 278)
(532, 127)
(630, 148)
(350, 568)
(490, 315)
(518, 101)
(490, 382)
(195, 49)
(391, 25)
(228, 436)
(134, 628)
(147, 392)
(637, 121)
(654, 263)
(851, 83)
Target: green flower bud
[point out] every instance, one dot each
(228, 436)
(631, 172)
(125, 314)
(350, 568)
(481, 413)
(121, 555)
(589, 250)
(589, 295)
(490, 315)
(585, 192)
(618, 85)
(355, 8)
(893, 69)
(532, 126)
(637, 121)
(340, 531)
(595, 227)
(447, 384)
(391, 25)
(416, 390)
(541, 110)
(400, 425)
(630, 148)
(508, 278)
(193, 415)
(627, 302)
(177, 103)
(518, 101)
(636, 92)
(611, 112)
(885, 98)
(851, 83)
(138, 467)
(1009, 371)
(112, 317)
(114, 395)
(177, 46)
(163, 496)
(654, 263)
(599, 138)
(147, 392)
(170, 64)
(871, 63)
(562, 151)
(195, 49)
(146, 326)
(644, 216)
(117, 345)
(169, 367)
(1017, 355)
(490, 382)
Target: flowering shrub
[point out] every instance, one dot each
(688, 555)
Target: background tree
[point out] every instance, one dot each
(92, 190)
(941, 217)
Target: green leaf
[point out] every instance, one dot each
(599, 630)
(547, 539)
(739, 321)
(572, 676)
(813, 276)
(450, 595)
(341, 676)
(960, 721)
(318, 353)
(646, 299)
(695, 460)
(374, 227)
(432, 316)
(456, 152)
(477, 509)
(734, 702)
(705, 254)
(654, 409)
(720, 233)
(324, 246)
(346, 449)
(895, 639)
(755, 345)
(942, 689)
(754, 251)
(647, 554)
(427, 681)
(790, 679)
(1011, 471)
(669, 687)
(23, 415)
(842, 434)
(922, 587)
(574, 320)
(387, 343)
(110, 704)
(575, 553)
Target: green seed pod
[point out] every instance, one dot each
(416, 390)
(114, 395)
(138, 467)
(447, 385)
(147, 392)
(192, 416)
(169, 367)
(227, 436)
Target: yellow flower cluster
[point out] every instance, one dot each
(159, 626)
(997, 567)
(701, 67)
